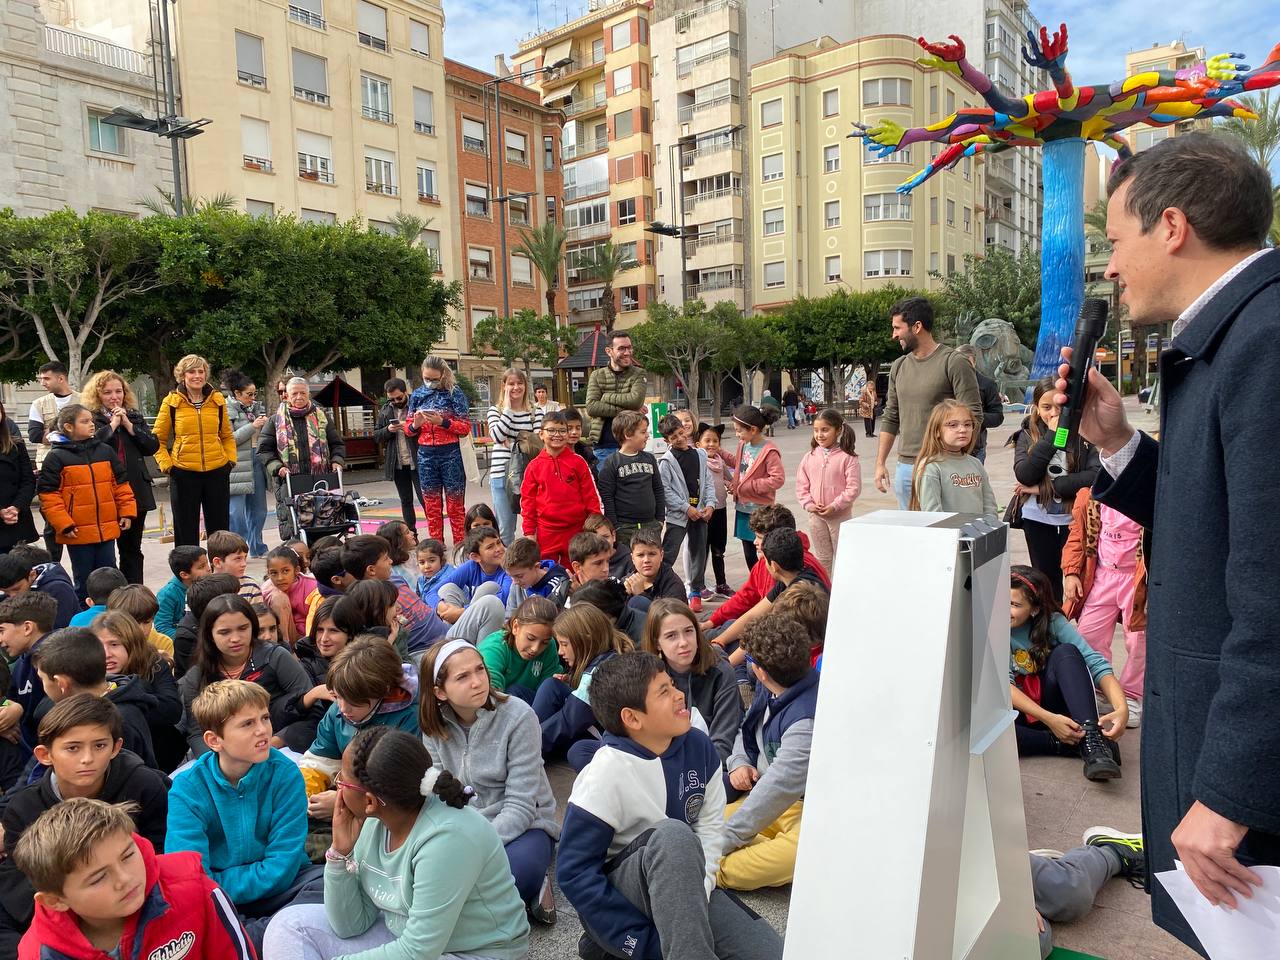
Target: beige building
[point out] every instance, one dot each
(606, 146)
(1161, 56)
(826, 209)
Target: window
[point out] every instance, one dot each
(771, 167)
(419, 38)
(951, 213)
(704, 51)
(626, 211)
(380, 171)
(249, 60)
(1145, 137)
(375, 98)
(424, 111)
(831, 213)
(831, 158)
(481, 313)
(968, 220)
(315, 157)
(898, 156)
(622, 80)
(479, 263)
(548, 153)
(951, 102)
(103, 137)
(775, 274)
(933, 262)
(886, 263)
(382, 226)
(630, 297)
(517, 148)
(621, 34)
(551, 209)
(933, 211)
(473, 135)
(255, 136)
(627, 254)
(477, 200)
(951, 264)
(833, 269)
(310, 78)
(317, 216)
(888, 91)
(518, 211)
(521, 270)
(623, 125)
(259, 208)
(771, 113)
(774, 222)
(886, 206)
(625, 168)
(933, 101)
(371, 25)
(967, 166)
(588, 299)
(597, 51)
(427, 180)
(430, 240)
(830, 103)
(307, 12)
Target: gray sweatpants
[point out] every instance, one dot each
(662, 874)
(1064, 889)
(303, 933)
(482, 615)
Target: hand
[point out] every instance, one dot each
(321, 805)
(692, 513)
(744, 778)
(71, 533)
(260, 422)
(419, 418)
(1019, 490)
(1039, 922)
(1072, 589)
(13, 735)
(1102, 422)
(562, 677)
(1051, 421)
(10, 714)
(1047, 54)
(706, 514)
(319, 692)
(448, 612)
(9, 515)
(433, 416)
(1206, 843)
(1114, 723)
(126, 523)
(1063, 727)
(282, 472)
(635, 584)
(394, 426)
(732, 487)
(882, 478)
(346, 826)
(947, 52)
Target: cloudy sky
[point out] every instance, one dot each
(1100, 32)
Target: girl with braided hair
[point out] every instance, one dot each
(413, 871)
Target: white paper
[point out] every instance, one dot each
(1250, 932)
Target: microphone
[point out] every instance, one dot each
(1090, 327)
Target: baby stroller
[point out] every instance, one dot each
(324, 508)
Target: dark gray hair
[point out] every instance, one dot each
(1225, 195)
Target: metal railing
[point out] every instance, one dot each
(691, 202)
(685, 20)
(373, 113)
(686, 113)
(588, 315)
(477, 208)
(697, 243)
(708, 149)
(420, 126)
(588, 231)
(306, 17)
(82, 47)
(252, 79)
(369, 40)
(428, 197)
(257, 163)
(572, 150)
(517, 156)
(473, 145)
(585, 105)
(311, 96)
(318, 174)
(715, 283)
(579, 190)
(686, 68)
(382, 187)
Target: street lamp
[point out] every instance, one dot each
(500, 137)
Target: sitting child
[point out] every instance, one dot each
(368, 557)
(532, 576)
(434, 570)
(770, 761)
(620, 562)
(642, 831)
(285, 578)
(81, 755)
(188, 564)
(242, 805)
(397, 818)
(610, 597)
(186, 637)
(653, 577)
(332, 578)
(316, 651)
(474, 597)
(168, 898)
(589, 556)
(29, 568)
(25, 620)
(522, 656)
(1065, 884)
(139, 602)
(1053, 673)
(229, 553)
(586, 639)
(467, 725)
(98, 585)
(404, 544)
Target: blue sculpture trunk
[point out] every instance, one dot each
(1061, 252)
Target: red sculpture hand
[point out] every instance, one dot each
(1056, 48)
(948, 52)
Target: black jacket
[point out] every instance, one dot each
(184, 643)
(17, 489)
(1211, 719)
(133, 449)
(631, 490)
(383, 437)
(52, 579)
(1031, 461)
(992, 407)
(135, 703)
(271, 457)
(666, 584)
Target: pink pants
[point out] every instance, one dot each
(1110, 600)
(824, 538)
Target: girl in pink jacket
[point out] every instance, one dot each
(760, 475)
(829, 480)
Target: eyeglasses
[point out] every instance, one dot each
(555, 433)
(344, 785)
(435, 379)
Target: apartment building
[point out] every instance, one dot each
(827, 214)
(606, 144)
(526, 194)
(1162, 56)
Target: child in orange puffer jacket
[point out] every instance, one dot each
(84, 494)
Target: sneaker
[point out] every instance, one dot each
(544, 909)
(1127, 846)
(695, 603)
(588, 949)
(725, 590)
(706, 594)
(1099, 760)
(1135, 712)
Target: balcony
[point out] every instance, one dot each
(573, 150)
(998, 48)
(588, 231)
(251, 79)
(311, 96)
(315, 169)
(698, 244)
(420, 126)
(369, 40)
(685, 21)
(686, 68)
(84, 47)
(306, 17)
(382, 187)
(517, 156)
(687, 113)
(373, 113)
(474, 145)
(713, 284)
(257, 163)
(478, 209)
(690, 203)
(428, 198)
(1000, 174)
(579, 190)
(587, 317)
(576, 108)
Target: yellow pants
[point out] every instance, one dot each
(769, 859)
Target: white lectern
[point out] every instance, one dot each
(913, 843)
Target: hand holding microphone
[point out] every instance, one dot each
(1090, 404)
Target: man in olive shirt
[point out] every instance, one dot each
(927, 373)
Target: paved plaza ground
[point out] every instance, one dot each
(1060, 804)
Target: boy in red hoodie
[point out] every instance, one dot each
(100, 888)
(558, 493)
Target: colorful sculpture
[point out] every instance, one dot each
(1061, 120)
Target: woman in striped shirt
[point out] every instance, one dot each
(513, 414)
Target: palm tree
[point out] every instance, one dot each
(1275, 217)
(544, 246)
(1260, 137)
(1095, 221)
(166, 205)
(604, 265)
(410, 228)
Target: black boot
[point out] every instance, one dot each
(1099, 761)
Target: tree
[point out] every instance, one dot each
(997, 285)
(166, 204)
(605, 263)
(1095, 224)
(750, 343)
(544, 246)
(526, 336)
(681, 342)
(1260, 137)
(409, 229)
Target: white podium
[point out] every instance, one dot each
(913, 843)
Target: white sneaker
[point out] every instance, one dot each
(1135, 712)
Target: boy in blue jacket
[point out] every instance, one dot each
(770, 759)
(531, 576)
(242, 807)
(642, 834)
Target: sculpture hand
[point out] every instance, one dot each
(908, 185)
(937, 63)
(945, 52)
(1221, 66)
(886, 134)
(1047, 54)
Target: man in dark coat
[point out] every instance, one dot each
(399, 455)
(1187, 220)
(989, 394)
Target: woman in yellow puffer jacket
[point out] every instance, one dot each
(197, 451)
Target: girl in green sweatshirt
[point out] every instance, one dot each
(947, 477)
(413, 873)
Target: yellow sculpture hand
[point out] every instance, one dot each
(886, 133)
(937, 63)
(1221, 67)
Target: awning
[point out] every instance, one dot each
(555, 97)
(590, 353)
(558, 51)
(338, 393)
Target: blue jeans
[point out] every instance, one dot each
(88, 557)
(530, 855)
(791, 417)
(502, 508)
(603, 454)
(902, 484)
(249, 513)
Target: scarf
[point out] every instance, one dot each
(317, 444)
